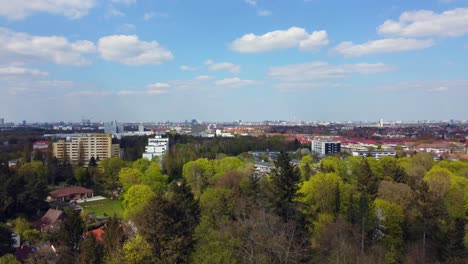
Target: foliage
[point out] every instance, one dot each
(91, 251)
(8, 259)
(137, 250)
(135, 199)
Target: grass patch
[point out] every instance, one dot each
(105, 207)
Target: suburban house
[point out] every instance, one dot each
(50, 220)
(70, 194)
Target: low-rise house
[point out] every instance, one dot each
(70, 194)
(50, 220)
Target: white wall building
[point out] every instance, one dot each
(323, 148)
(156, 147)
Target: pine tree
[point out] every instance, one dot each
(113, 238)
(168, 225)
(285, 178)
(91, 251)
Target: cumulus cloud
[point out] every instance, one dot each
(227, 66)
(20, 9)
(423, 23)
(129, 50)
(382, 46)
(17, 46)
(280, 39)
(314, 71)
(233, 82)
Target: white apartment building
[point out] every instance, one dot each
(323, 148)
(156, 147)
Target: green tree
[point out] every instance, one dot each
(321, 193)
(141, 164)
(154, 178)
(129, 177)
(91, 251)
(35, 169)
(137, 250)
(110, 171)
(198, 175)
(6, 241)
(113, 240)
(9, 259)
(168, 225)
(306, 167)
(69, 234)
(391, 219)
(285, 178)
(135, 199)
(21, 225)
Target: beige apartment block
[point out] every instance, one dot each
(80, 148)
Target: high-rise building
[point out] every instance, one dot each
(156, 147)
(2, 121)
(113, 127)
(141, 128)
(323, 148)
(79, 149)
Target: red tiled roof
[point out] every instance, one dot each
(97, 233)
(69, 191)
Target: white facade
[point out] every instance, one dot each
(323, 148)
(156, 147)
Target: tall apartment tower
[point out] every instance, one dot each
(323, 148)
(80, 149)
(2, 121)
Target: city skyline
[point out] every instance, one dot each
(238, 59)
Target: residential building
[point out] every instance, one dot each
(156, 147)
(81, 148)
(113, 127)
(2, 121)
(374, 154)
(323, 148)
(70, 194)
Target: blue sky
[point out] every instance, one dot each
(158, 60)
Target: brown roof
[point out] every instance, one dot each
(51, 217)
(69, 191)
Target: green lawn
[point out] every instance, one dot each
(106, 207)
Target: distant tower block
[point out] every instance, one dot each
(381, 122)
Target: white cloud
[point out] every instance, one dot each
(251, 2)
(20, 71)
(114, 12)
(314, 71)
(280, 39)
(382, 46)
(264, 13)
(126, 27)
(217, 66)
(125, 2)
(149, 15)
(20, 9)
(158, 85)
(203, 78)
(233, 82)
(438, 89)
(129, 50)
(16, 46)
(187, 68)
(423, 23)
